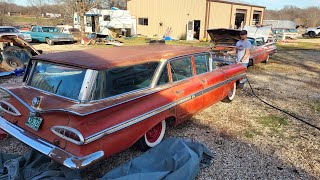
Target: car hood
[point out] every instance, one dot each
(223, 36)
(255, 32)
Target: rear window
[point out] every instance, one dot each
(121, 80)
(60, 80)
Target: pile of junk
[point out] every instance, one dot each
(14, 55)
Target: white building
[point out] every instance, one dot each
(108, 22)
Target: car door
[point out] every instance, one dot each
(36, 34)
(210, 77)
(187, 87)
(259, 52)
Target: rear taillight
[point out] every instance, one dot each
(68, 134)
(9, 108)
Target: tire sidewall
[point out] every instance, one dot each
(49, 41)
(163, 130)
(233, 90)
(6, 63)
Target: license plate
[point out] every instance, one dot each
(34, 122)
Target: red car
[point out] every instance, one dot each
(225, 41)
(78, 107)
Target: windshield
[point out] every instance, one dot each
(251, 40)
(56, 79)
(50, 29)
(8, 30)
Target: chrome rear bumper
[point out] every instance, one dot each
(48, 149)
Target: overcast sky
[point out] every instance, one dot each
(270, 4)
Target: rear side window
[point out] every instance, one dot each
(202, 63)
(181, 68)
(121, 80)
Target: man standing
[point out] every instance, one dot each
(243, 47)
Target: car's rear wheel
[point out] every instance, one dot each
(49, 41)
(11, 63)
(267, 60)
(153, 137)
(231, 94)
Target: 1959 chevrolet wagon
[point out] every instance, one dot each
(78, 107)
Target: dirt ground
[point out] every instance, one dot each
(250, 139)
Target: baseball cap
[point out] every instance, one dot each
(243, 32)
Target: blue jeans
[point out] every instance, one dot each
(244, 79)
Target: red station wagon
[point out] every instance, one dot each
(78, 107)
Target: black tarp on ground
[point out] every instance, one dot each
(33, 165)
(176, 159)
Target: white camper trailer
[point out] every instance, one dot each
(108, 22)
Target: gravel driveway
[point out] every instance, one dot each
(250, 139)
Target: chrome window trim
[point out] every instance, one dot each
(158, 73)
(52, 94)
(87, 85)
(149, 114)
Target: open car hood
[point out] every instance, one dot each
(255, 32)
(223, 36)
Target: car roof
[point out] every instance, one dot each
(105, 58)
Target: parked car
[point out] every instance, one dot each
(70, 30)
(80, 106)
(49, 34)
(14, 52)
(284, 33)
(312, 32)
(9, 30)
(225, 41)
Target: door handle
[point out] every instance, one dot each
(179, 91)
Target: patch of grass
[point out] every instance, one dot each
(251, 133)
(298, 46)
(316, 106)
(274, 124)
(273, 121)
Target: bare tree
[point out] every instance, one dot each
(38, 7)
(4, 8)
(308, 17)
